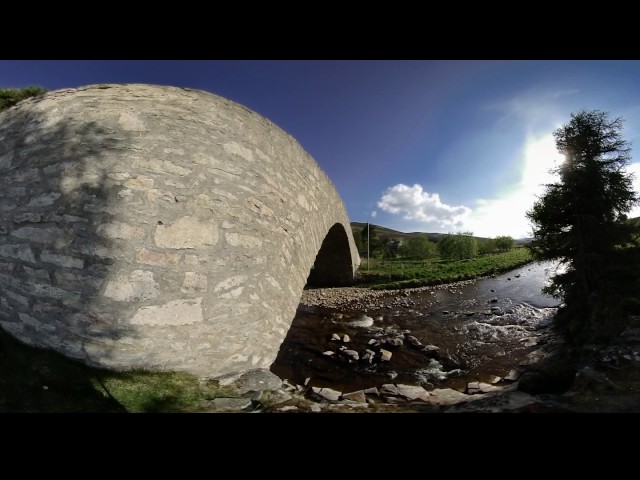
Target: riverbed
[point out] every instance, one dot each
(445, 336)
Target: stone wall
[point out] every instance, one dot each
(160, 228)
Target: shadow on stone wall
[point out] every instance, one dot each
(132, 234)
(59, 230)
(39, 380)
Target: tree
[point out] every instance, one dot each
(578, 222)
(487, 246)
(10, 96)
(417, 248)
(458, 246)
(469, 245)
(390, 247)
(357, 238)
(370, 239)
(504, 243)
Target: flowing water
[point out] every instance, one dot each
(441, 337)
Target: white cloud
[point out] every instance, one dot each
(413, 203)
(373, 214)
(504, 212)
(490, 217)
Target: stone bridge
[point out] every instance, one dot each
(160, 228)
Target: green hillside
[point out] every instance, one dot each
(384, 232)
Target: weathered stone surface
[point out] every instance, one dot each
(161, 259)
(176, 312)
(447, 396)
(255, 380)
(413, 392)
(139, 285)
(61, 260)
(18, 298)
(357, 396)
(28, 217)
(229, 404)
(19, 252)
(246, 241)
(187, 232)
(190, 219)
(327, 393)
(120, 230)
(194, 283)
(44, 200)
(482, 387)
(38, 235)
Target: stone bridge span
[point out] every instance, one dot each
(160, 228)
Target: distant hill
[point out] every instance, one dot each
(384, 232)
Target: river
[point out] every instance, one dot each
(437, 337)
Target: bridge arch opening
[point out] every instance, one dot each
(333, 266)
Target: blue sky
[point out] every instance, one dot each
(414, 145)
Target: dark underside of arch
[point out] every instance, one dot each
(333, 266)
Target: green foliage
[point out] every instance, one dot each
(579, 221)
(40, 380)
(401, 273)
(10, 96)
(155, 392)
(417, 248)
(458, 246)
(390, 247)
(505, 243)
(357, 238)
(487, 246)
(370, 240)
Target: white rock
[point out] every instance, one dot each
(413, 392)
(389, 389)
(352, 354)
(357, 396)
(288, 408)
(328, 393)
(447, 396)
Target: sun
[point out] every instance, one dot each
(540, 157)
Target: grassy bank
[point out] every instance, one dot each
(392, 274)
(36, 380)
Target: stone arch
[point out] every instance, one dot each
(159, 228)
(333, 265)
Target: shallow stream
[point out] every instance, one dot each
(445, 336)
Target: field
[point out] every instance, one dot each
(398, 273)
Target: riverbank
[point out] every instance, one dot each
(34, 380)
(607, 381)
(366, 298)
(399, 273)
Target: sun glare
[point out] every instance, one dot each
(540, 157)
(505, 215)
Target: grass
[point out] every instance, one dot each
(38, 380)
(159, 392)
(398, 273)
